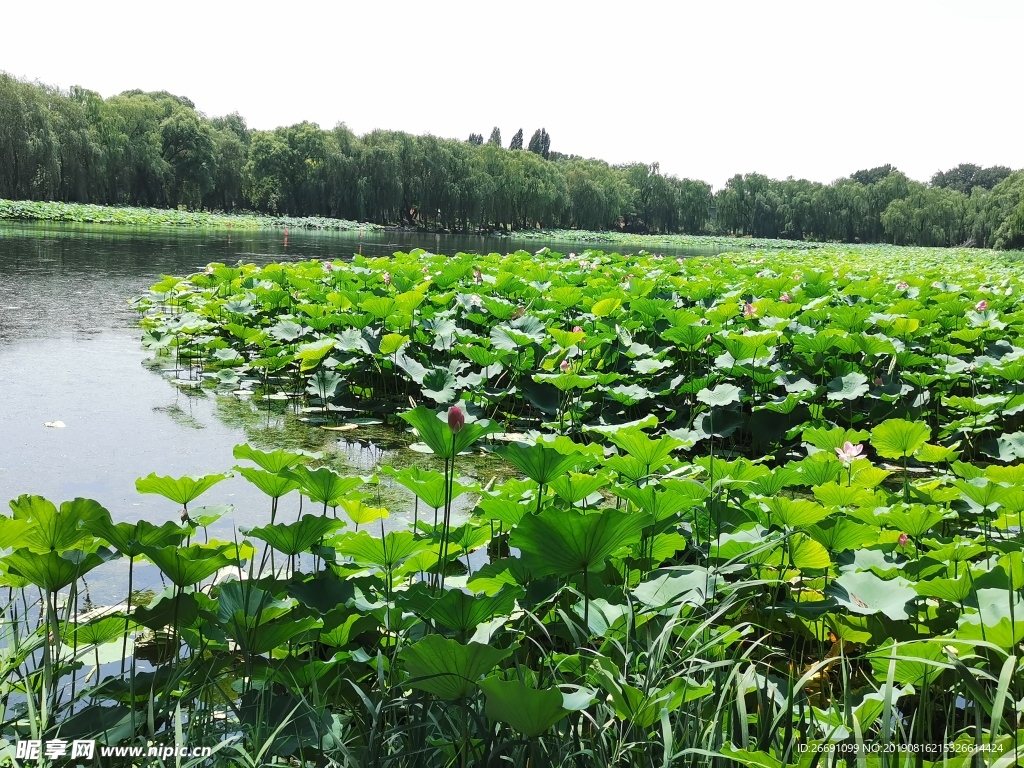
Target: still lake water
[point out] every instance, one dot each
(70, 352)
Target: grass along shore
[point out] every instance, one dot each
(81, 213)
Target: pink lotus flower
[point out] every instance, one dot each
(904, 539)
(902, 285)
(456, 420)
(577, 329)
(328, 266)
(749, 310)
(981, 306)
(564, 366)
(784, 298)
(387, 278)
(849, 452)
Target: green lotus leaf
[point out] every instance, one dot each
(864, 593)
(130, 538)
(529, 711)
(671, 587)
(575, 487)
(460, 612)
(386, 552)
(660, 502)
(606, 307)
(564, 543)
(793, 513)
(848, 387)
(652, 453)
(167, 611)
(915, 520)
(287, 330)
(271, 461)
(722, 395)
(899, 438)
(52, 571)
(180, 490)
(951, 590)
(322, 485)
(295, 538)
(362, 514)
(917, 662)
(427, 484)
(390, 343)
(447, 668)
(272, 484)
(186, 566)
(434, 431)
(539, 462)
(98, 631)
(48, 529)
(842, 534)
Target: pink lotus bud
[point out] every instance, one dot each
(749, 310)
(902, 285)
(784, 298)
(577, 329)
(456, 421)
(904, 539)
(387, 278)
(981, 306)
(564, 366)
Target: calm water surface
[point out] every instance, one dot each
(70, 352)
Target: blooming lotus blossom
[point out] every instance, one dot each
(577, 329)
(749, 310)
(981, 306)
(328, 267)
(564, 366)
(478, 276)
(902, 285)
(456, 419)
(904, 539)
(849, 452)
(936, 285)
(387, 278)
(784, 298)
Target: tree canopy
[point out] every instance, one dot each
(156, 149)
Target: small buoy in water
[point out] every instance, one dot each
(286, 231)
(55, 424)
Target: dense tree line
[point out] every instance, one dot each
(155, 149)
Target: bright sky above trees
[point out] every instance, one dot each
(708, 89)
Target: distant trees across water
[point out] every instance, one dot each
(155, 149)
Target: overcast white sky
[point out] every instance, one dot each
(709, 89)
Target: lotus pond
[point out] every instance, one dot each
(757, 509)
